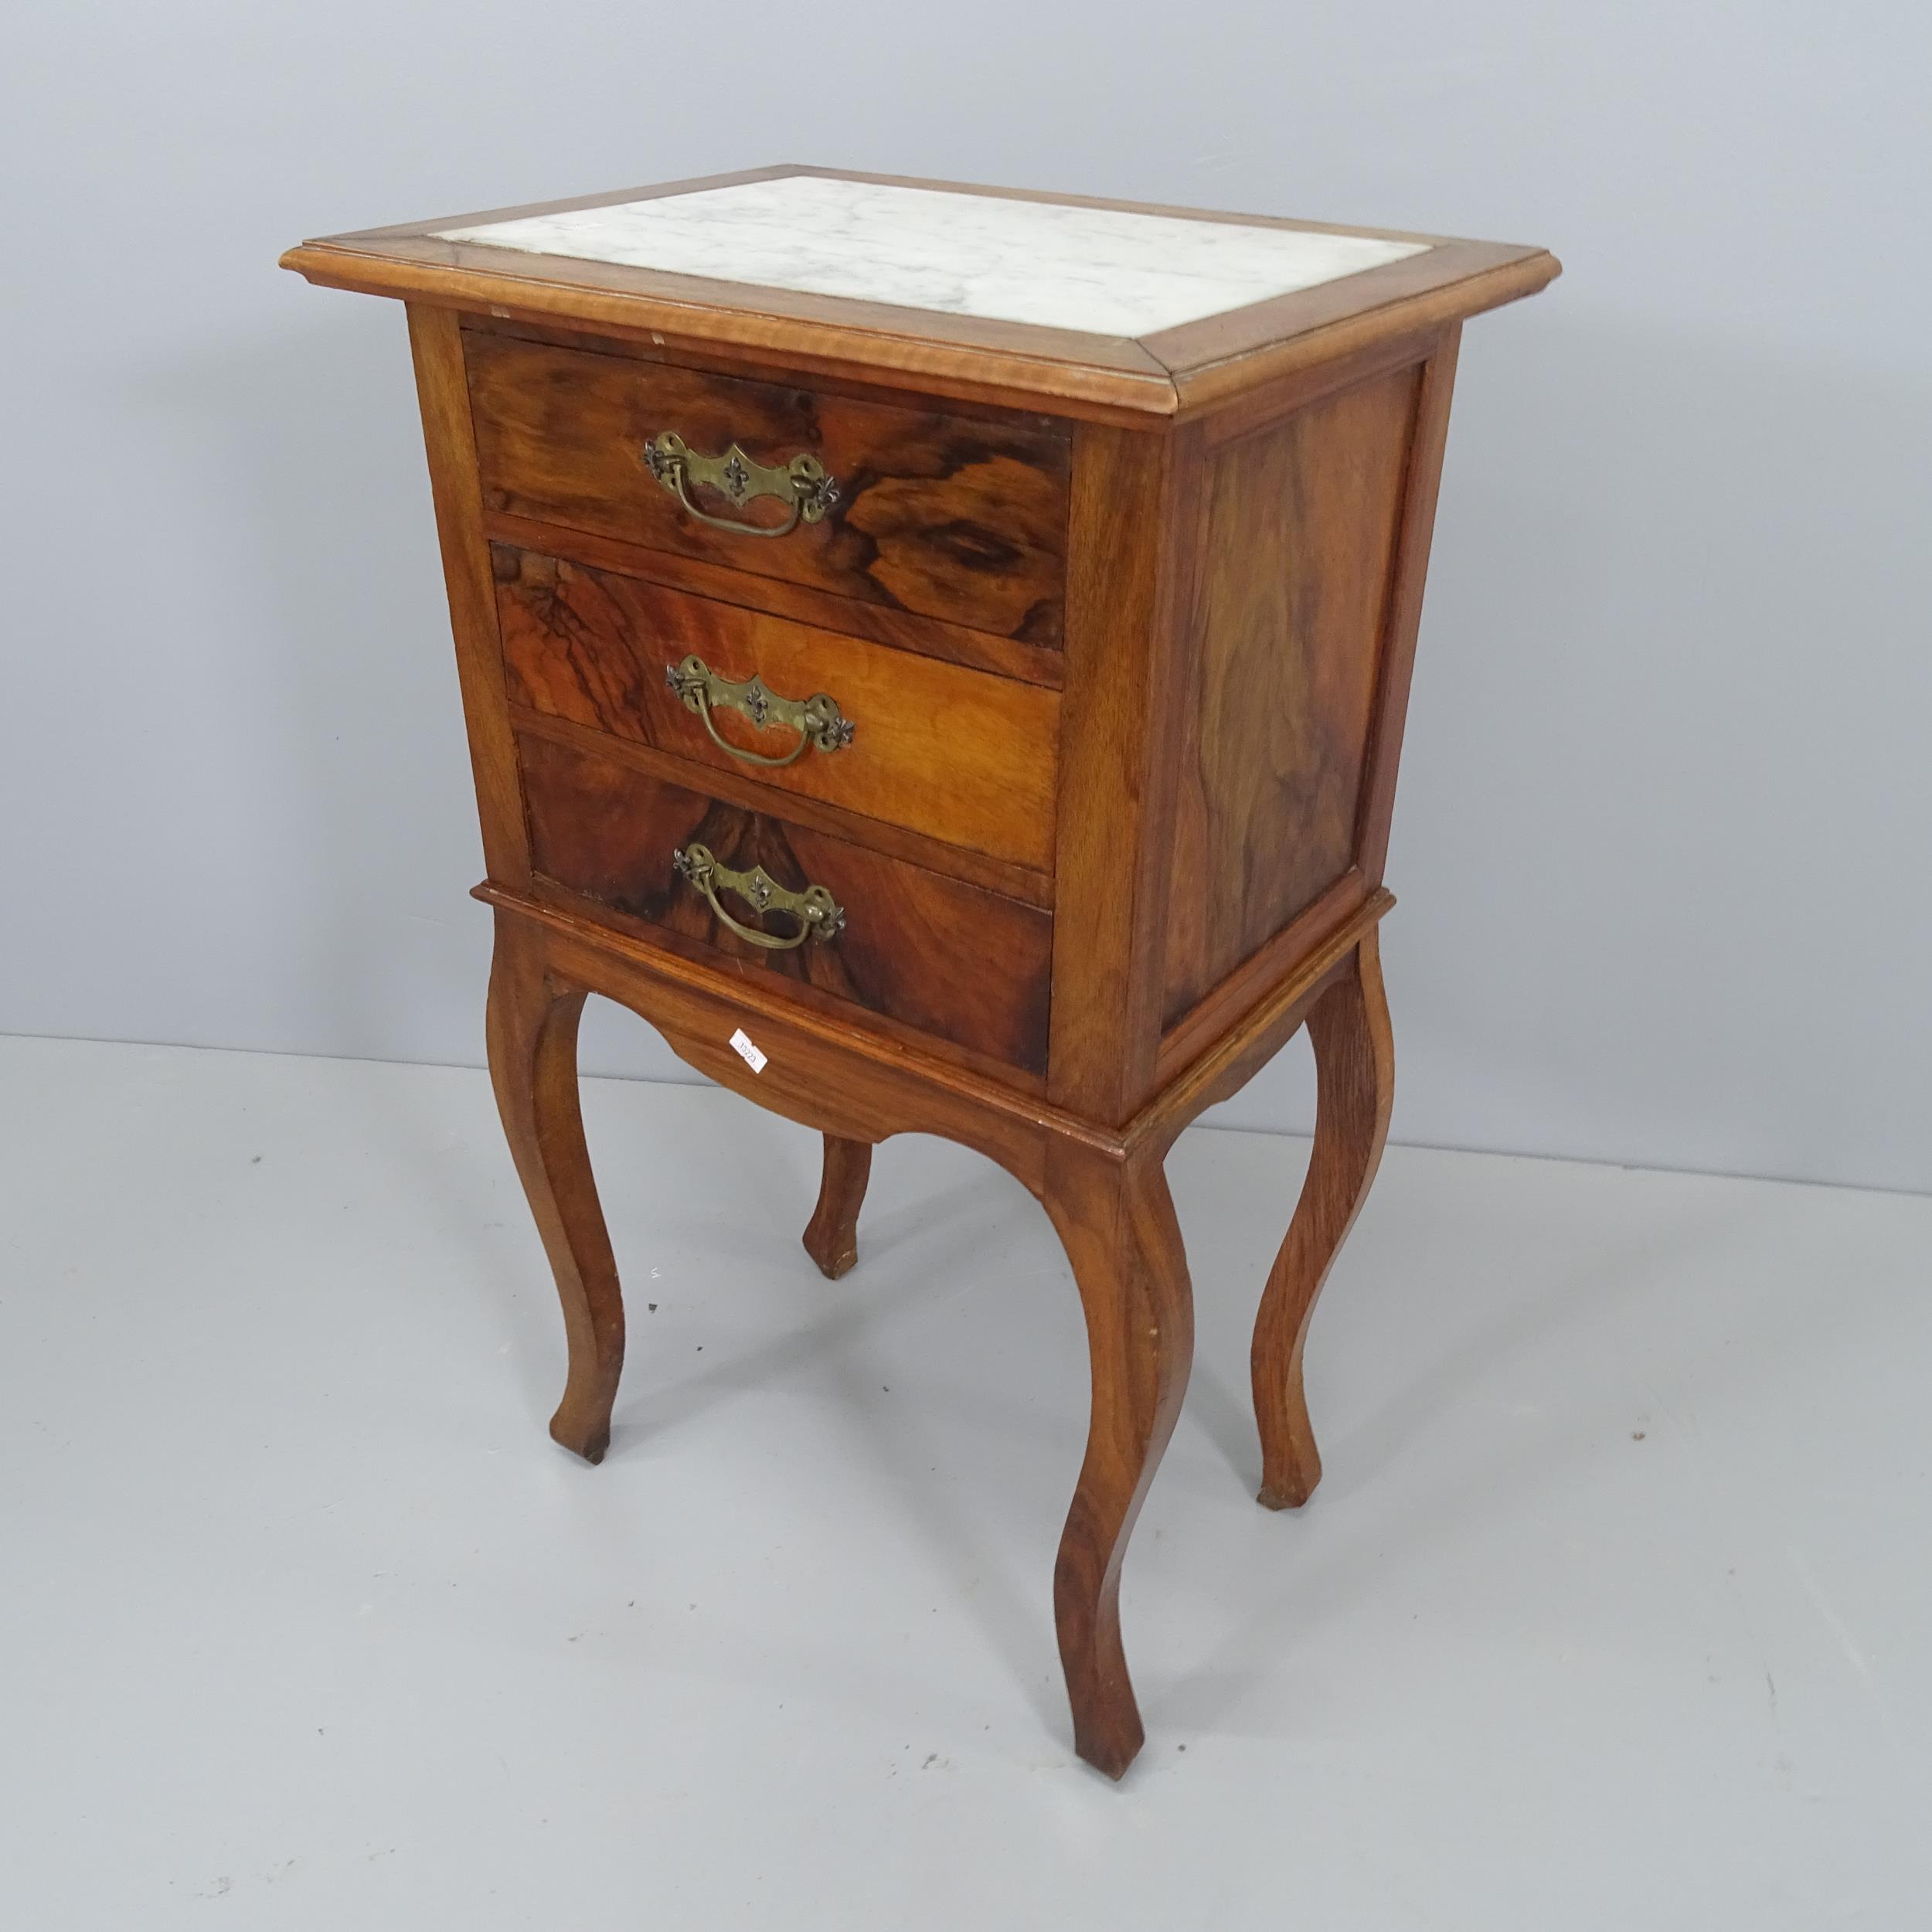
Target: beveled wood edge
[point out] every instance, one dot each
(936, 365)
(898, 320)
(1241, 1054)
(927, 366)
(1180, 370)
(884, 625)
(1265, 406)
(1230, 380)
(1190, 347)
(1194, 1030)
(1006, 877)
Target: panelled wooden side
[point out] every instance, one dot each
(435, 344)
(1293, 610)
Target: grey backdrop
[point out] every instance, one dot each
(1661, 847)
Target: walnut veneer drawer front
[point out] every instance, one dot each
(953, 517)
(954, 754)
(948, 958)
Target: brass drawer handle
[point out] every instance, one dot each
(817, 720)
(803, 483)
(819, 915)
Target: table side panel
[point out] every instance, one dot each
(1411, 574)
(1287, 635)
(436, 347)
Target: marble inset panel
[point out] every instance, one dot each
(1103, 271)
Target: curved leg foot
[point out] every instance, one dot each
(1117, 1223)
(1354, 1077)
(832, 1235)
(533, 1047)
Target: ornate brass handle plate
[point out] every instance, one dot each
(817, 720)
(819, 915)
(803, 483)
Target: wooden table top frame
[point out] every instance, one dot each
(1222, 820)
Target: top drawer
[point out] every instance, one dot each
(953, 517)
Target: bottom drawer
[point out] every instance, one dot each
(951, 959)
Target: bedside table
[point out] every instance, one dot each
(939, 654)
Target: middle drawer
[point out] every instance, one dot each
(955, 754)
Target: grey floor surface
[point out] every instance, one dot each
(1612, 1612)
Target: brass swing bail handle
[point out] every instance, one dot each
(819, 915)
(817, 720)
(803, 483)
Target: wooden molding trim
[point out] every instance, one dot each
(1261, 1034)
(1306, 934)
(1185, 370)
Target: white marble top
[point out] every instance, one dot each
(1104, 271)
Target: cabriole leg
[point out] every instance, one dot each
(532, 1048)
(1118, 1224)
(1355, 1089)
(832, 1235)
